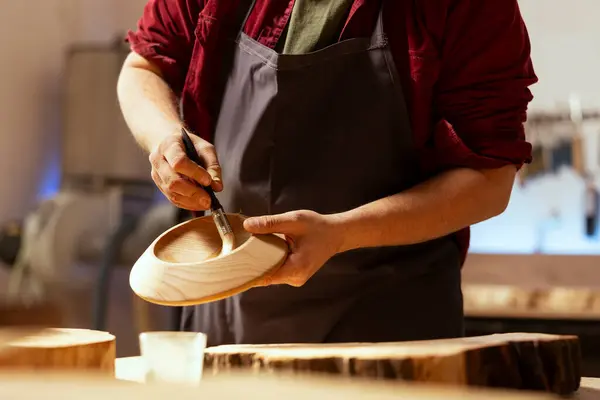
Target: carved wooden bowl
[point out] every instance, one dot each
(184, 265)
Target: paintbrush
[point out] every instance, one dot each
(218, 214)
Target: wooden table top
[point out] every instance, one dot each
(131, 369)
(590, 389)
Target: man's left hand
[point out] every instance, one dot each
(313, 239)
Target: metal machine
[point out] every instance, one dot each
(106, 208)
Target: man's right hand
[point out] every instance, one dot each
(179, 178)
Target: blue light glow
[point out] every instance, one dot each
(50, 182)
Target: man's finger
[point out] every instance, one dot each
(208, 154)
(267, 279)
(293, 272)
(180, 163)
(176, 183)
(275, 277)
(156, 178)
(281, 223)
(171, 184)
(186, 203)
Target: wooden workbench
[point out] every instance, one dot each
(131, 369)
(590, 389)
(509, 301)
(562, 310)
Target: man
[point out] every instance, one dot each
(371, 133)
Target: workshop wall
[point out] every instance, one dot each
(36, 35)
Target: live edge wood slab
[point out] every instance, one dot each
(503, 301)
(60, 349)
(526, 361)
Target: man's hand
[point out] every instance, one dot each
(151, 112)
(313, 239)
(178, 177)
(435, 208)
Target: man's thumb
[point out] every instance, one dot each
(281, 223)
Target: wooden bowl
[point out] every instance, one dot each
(183, 266)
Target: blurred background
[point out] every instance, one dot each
(77, 205)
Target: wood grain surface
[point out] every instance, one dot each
(235, 386)
(506, 301)
(132, 369)
(184, 265)
(533, 270)
(61, 349)
(589, 390)
(517, 361)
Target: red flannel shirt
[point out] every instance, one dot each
(465, 68)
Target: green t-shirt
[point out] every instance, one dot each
(313, 25)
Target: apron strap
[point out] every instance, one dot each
(378, 34)
(246, 16)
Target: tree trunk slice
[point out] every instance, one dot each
(61, 349)
(517, 361)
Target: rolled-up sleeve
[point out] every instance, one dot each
(482, 91)
(165, 36)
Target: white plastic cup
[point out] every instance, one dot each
(173, 357)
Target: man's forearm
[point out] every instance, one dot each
(442, 205)
(149, 106)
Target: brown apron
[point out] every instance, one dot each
(327, 131)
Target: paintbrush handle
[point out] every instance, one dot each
(190, 151)
(225, 230)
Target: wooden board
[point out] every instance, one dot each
(62, 349)
(133, 369)
(589, 390)
(518, 302)
(519, 360)
(532, 270)
(240, 386)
